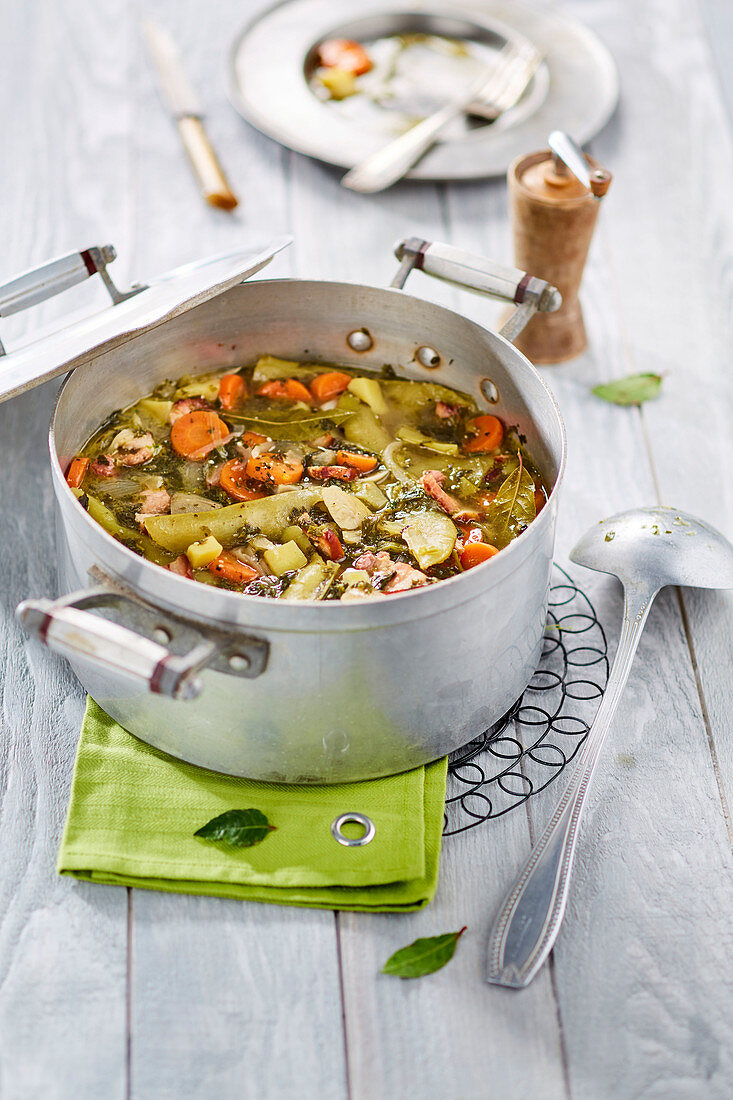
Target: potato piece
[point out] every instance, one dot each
(345, 509)
(269, 367)
(155, 409)
(369, 391)
(430, 537)
(299, 537)
(285, 559)
(340, 82)
(269, 515)
(355, 576)
(200, 554)
(351, 538)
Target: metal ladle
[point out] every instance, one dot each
(647, 549)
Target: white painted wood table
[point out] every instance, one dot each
(112, 993)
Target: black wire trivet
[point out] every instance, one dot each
(537, 738)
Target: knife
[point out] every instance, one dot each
(181, 101)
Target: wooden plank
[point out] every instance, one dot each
(227, 998)
(63, 945)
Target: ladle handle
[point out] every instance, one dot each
(527, 926)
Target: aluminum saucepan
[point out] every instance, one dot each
(311, 692)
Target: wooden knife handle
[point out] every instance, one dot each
(205, 164)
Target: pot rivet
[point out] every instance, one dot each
(360, 340)
(160, 634)
(238, 662)
(427, 357)
(489, 390)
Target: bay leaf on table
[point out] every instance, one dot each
(237, 828)
(423, 956)
(632, 390)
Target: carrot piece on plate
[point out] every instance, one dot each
(346, 54)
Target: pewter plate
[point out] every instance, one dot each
(575, 89)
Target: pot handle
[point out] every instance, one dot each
(466, 269)
(68, 628)
(56, 276)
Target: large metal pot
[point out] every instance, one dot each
(320, 692)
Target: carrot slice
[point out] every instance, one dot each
(344, 53)
(234, 481)
(484, 433)
(274, 469)
(232, 569)
(232, 390)
(476, 552)
(325, 387)
(363, 463)
(251, 439)
(76, 471)
(288, 389)
(197, 433)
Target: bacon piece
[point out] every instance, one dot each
(342, 473)
(324, 440)
(432, 482)
(182, 566)
(405, 577)
(155, 502)
(367, 561)
(130, 448)
(401, 575)
(186, 405)
(104, 466)
(329, 544)
(445, 411)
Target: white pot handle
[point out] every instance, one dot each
(473, 272)
(67, 627)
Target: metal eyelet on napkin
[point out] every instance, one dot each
(359, 819)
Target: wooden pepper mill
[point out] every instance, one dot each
(554, 200)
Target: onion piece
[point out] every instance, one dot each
(391, 463)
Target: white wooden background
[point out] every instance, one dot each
(113, 993)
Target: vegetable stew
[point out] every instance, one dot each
(300, 481)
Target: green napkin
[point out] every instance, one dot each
(134, 811)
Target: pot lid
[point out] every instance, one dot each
(130, 313)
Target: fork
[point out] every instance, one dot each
(495, 92)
